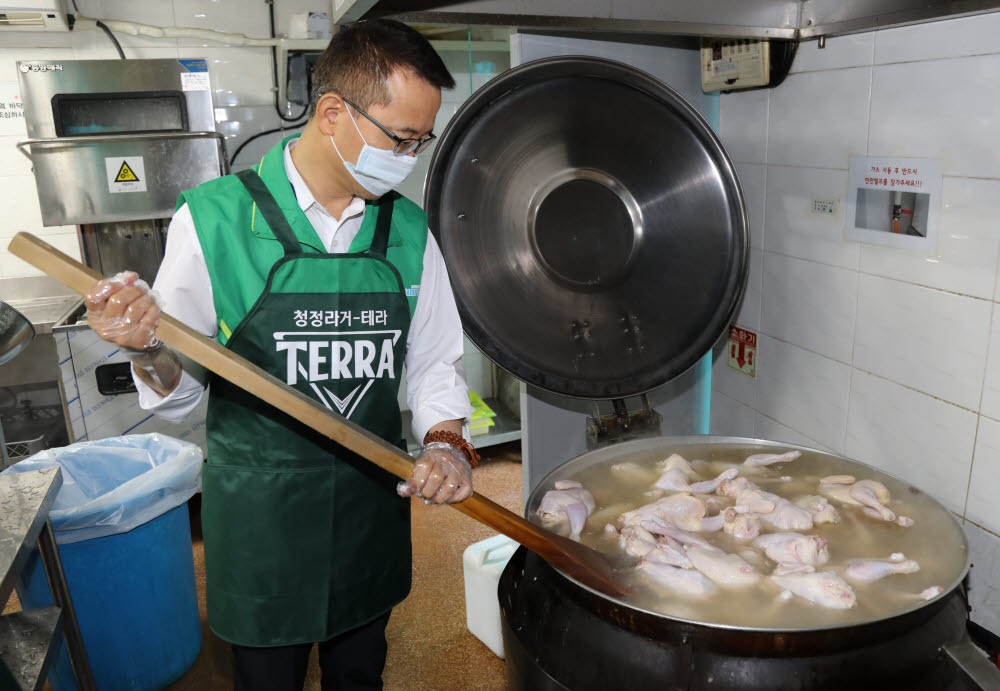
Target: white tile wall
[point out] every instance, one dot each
(792, 227)
(232, 16)
(743, 125)
(951, 113)
(854, 50)
(12, 161)
(948, 39)
(805, 391)
(913, 436)
(966, 258)
(772, 430)
(920, 368)
(729, 382)
(731, 418)
(990, 405)
(819, 118)
(982, 507)
(753, 177)
(809, 304)
(749, 315)
(926, 339)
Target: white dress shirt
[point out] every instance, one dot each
(435, 375)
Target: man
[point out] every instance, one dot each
(311, 267)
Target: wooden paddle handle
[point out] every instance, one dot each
(223, 362)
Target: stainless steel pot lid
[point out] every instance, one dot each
(593, 226)
(946, 537)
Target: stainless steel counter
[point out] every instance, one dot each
(39, 298)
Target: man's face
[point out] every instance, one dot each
(410, 115)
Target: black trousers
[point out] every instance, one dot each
(350, 662)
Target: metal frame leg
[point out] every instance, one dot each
(60, 596)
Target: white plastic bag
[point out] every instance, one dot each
(111, 486)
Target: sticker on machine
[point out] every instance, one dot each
(125, 174)
(195, 81)
(741, 351)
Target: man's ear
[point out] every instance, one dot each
(330, 105)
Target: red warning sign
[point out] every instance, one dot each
(742, 351)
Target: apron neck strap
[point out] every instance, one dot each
(270, 210)
(383, 223)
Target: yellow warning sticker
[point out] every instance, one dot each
(125, 174)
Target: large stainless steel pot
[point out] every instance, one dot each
(559, 634)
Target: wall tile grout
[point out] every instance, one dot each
(875, 275)
(865, 371)
(778, 422)
(896, 62)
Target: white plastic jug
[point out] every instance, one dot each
(484, 561)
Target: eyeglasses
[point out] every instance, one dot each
(401, 146)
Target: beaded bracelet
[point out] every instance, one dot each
(456, 440)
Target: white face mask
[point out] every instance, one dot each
(377, 170)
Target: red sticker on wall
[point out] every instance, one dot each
(741, 351)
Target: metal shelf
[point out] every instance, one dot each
(28, 639)
(507, 428)
(25, 500)
(28, 642)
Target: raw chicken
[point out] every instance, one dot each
(735, 487)
(636, 541)
(633, 473)
(776, 512)
(726, 570)
(764, 459)
(821, 509)
(823, 588)
(742, 526)
(677, 535)
(872, 495)
(930, 593)
(670, 553)
(677, 462)
(677, 480)
(871, 570)
(923, 596)
(568, 503)
(794, 548)
(681, 510)
(687, 582)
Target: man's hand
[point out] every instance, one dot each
(121, 310)
(441, 475)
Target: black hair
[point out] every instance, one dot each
(361, 57)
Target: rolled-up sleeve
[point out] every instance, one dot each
(436, 389)
(184, 291)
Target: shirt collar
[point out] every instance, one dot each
(305, 198)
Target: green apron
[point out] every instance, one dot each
(303, 539)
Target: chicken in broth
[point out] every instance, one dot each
(770, 540)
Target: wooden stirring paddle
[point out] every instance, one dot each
(578, 561)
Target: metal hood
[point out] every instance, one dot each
(777, 19)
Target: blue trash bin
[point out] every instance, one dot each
(124, 537)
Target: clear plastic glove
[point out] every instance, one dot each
(121, 310)
(441, 475)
